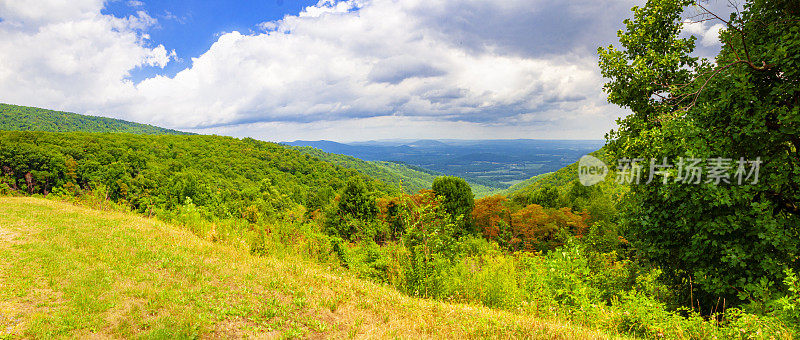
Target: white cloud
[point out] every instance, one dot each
(386, 68)
(30, 14)
(141, 21)
(329, 6)
(707, 33)
(69, 56)
(351, 60)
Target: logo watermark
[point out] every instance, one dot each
(591, 170)
(718, 170)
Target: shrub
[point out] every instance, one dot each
(491, 279)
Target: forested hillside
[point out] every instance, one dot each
(155, 174)
(24, 118)
(556, 179)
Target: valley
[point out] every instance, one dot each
(496, 164)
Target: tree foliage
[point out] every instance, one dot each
(531, 228)
(458, 200)
(354, 214)
(724, 238)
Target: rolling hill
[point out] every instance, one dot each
(156, 174)
(24, 118)
(412, 177)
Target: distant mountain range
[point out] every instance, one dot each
(494, 163)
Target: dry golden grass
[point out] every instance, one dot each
(75, 272)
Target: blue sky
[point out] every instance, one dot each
(191, 26)
(343, 70)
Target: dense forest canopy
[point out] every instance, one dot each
(152, 173)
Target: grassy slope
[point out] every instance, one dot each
(390, 173)
(24, 118)
(75, 272)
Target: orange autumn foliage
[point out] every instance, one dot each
(489, 214)
(531, 228)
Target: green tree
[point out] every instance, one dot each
(355, 213)
(457, 199)
(726, 237)
(545, 196)
(357, 200)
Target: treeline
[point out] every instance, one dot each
(24, 118)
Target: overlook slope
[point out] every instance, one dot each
(23, 118)
(76, 272)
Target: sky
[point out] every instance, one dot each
(350, 70)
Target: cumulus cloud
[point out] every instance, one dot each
(530, 28)
(351, 60)
(66, 55)
(414, 68)
(394, 70)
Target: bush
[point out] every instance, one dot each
(491, 279)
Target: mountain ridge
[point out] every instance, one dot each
(29, 118)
